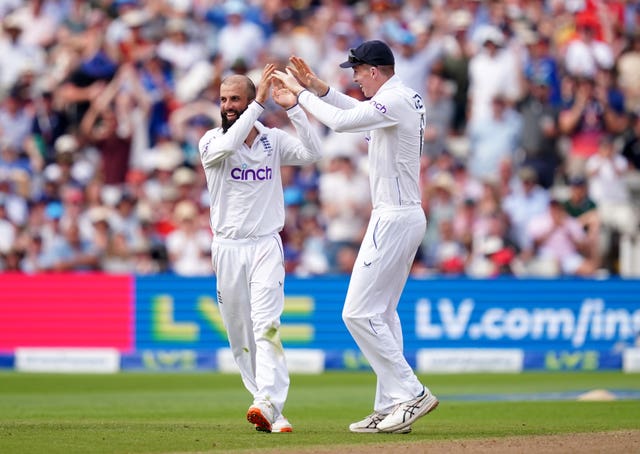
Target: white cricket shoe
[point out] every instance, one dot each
(281, 425)
(262, 415)
(370, 424)
(408, 412)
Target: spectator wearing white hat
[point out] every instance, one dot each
(179, 48)
(239, 38)
(42, 17)
(16, 55)
(493, 71)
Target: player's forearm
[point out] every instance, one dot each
(215, 150)
(307, 134)
(338, 99)
(357, 119)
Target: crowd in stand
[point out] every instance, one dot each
(531, 147)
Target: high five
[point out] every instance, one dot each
(393, 123)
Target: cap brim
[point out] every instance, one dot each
(348, 64)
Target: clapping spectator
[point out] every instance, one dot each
(109, 125)
(586, 118)
(559, 243)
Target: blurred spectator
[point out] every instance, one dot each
(346, 258)
(291, 36)
(32, 259)
(49, 123)
(42, 20)
(608, 188)
(542, 68)
(16, 116)
(178, 48)
(559, 244)
(157, 80)
(8, 231)
(340, 39)
(585, 53)
(312, 259)
(415, 55)
(15, 203)
(239, 38)
(126, 222)
(450, 254)
(67, 251)
(492, 258)
(527, 201)
(439, 119)
(631, 141)
(540, 131)
(345, 211)
(441, 207)
(189, 246)
(465, 221)
(109, 126)
(587, 117)
(16, 55)
(494, 139)
(493, 73)
(628, 68)
(457, 54)
(190, 122)
(579, 206)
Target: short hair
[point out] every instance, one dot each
(250, 87)
(387, 70)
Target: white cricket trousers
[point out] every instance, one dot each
(370, 309)
(250, 289)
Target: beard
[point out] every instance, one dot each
(226, 123)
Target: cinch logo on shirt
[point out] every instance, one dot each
(245, 174)
(381, 107)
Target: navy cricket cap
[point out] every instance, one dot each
(374, 53)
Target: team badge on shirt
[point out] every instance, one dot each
(266, 145)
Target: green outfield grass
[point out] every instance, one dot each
(205, 412)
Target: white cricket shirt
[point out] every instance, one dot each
(394, 119)
(244, 182)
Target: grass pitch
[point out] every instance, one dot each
(205, 412)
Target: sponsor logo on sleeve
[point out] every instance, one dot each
(381, 107)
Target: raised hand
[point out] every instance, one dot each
(262, 90)
(305, 75)
(289, 81)
(282, 95)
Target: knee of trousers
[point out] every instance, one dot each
(353, 321)
(270, 332)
